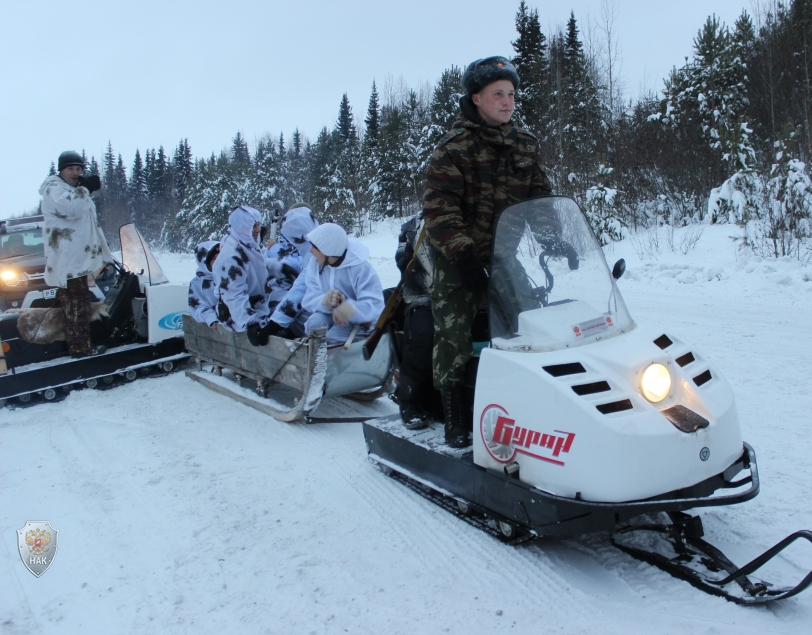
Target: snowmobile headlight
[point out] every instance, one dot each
(655, 383)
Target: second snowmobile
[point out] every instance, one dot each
(584, 421)
(142, 334)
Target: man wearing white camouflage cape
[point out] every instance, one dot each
(75, 247)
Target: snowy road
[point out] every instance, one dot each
(180, 511)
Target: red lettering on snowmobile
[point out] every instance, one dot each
(503, 438)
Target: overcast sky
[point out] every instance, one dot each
(149, 73)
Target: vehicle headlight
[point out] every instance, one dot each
(9, 276)
(655, 383)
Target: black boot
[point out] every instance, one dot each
(408, 400)
(457, 416)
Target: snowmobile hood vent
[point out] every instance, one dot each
(684, 419)
(663, 341)
(703, 378)
(615, 406)
(560, 370)
(686, 359)
(591, 389)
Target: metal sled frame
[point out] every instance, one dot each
(308, 366)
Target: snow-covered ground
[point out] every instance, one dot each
(181, 511)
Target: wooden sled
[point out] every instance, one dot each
(288, 378)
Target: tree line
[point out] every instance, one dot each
(728, 139)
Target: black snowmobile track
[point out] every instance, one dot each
(63, 374)
(678, 549)
(474, 515)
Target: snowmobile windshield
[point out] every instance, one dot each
(137, 256)
(550, 287)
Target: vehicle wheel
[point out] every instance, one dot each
(130, 375)
(464, 507)
(167, 367)
(146, 370)
(506, 529)
(92, 383)
(24, 398)
(108, 380)
(49, 394)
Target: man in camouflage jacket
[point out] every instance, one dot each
(485, 163)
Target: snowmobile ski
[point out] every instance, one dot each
(678, 549)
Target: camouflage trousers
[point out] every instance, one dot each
(75, 302)
(453, 309)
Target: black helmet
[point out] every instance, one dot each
(486, 71)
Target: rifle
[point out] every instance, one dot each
(392, 304)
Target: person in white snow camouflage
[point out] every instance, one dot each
(242, 274)
(204, 294)
(288, 319)
(290, 266)
(75, 247)
(342, 288)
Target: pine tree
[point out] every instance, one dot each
(341, 203)
(239, 153)
(602, 208)
(370, 154)
(443, 110)
(268, 184)
(137, 194)
(52, 170)
(182, 167)
(580, 130)
(93, 168)
(213, 193)
(532, 65)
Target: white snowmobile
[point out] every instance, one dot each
(584, 421)
(142, 335)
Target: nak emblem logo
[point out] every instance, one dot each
(504, 439)
(37, 543)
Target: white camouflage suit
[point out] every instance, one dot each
(74, 243)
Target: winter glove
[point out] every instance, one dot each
(342, 313)
(223, 314)
(289, 272)
(92, 182)
(259, 336)
(473, 275)
(332, 299)
(553, 245)
(263, 231)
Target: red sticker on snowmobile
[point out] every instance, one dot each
(591, 327)
(503, 438)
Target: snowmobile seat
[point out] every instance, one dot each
(117, 328)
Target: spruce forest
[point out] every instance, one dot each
(727, 140)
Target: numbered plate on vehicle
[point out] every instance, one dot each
(49, 294)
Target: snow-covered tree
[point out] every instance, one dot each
(602, 208)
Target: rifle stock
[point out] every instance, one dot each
(388, 314)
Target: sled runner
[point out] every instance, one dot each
(584, 421)
(140, 328)
(288, 378)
